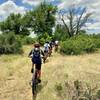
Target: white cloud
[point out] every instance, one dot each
(10, 7)
(36, 2)
(32, 2)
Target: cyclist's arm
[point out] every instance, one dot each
(30, 53)
(42, 53)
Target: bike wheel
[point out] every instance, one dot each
(34, 87)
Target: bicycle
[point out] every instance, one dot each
(35, 82)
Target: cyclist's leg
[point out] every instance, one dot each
(32, 69)
(45, 55)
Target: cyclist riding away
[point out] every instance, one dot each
(46, 50)
(35, 54)
(56, 45)
(50, 48)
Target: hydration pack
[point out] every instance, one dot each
(46, 47)
(36, 53)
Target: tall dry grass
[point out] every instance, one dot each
(15, 74)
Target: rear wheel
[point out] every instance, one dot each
(34, 87)
(34, 83)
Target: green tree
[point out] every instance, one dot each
(14, 23)
(43, 18)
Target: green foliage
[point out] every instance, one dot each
(96, 38)
(14, 23)
(42, 38)
(60, 33)
(43, 18)
(9, 44)
(97, 43)
(28, 40)
(78, 45)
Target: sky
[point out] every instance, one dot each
(21, 6)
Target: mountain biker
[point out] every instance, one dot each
(35, 54)
(50, 48)
(46, 46)
(46, 49)
(56, 45)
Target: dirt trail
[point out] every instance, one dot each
(15, 74)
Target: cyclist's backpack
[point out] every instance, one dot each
(36, 53)
(46, 47)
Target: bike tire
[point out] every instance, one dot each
(34, 87)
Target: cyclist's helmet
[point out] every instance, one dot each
(47, 41)
(37, 45)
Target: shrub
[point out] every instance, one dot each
(97, 42)
(9, 44)
(42, 41)
(69, 47)
(42, 38)
(28, 40)
(78, 90)
(96, 38)
(78, 45)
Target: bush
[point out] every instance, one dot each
(43, 38)
(78, 90)
(42, 41)
(10, 44)
(96, 38)
(78, 45)
(28, 40)
(97, 43)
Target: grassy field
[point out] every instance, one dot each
(15, 74)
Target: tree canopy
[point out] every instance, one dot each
(43, 18)
(14, 23)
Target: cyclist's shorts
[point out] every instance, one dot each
(36, 60)
(56, 44)
(45, 51)
(38, 66)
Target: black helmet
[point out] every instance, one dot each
(36, 45)
(47, 41)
